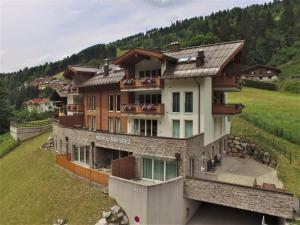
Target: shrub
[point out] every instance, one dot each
(260, 85)
(291, 86)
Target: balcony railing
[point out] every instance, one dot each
(75, 108)
(227, 83)
(71, 90)
(158, 109)
(227, 109)
(145, 83)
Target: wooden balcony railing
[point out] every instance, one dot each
(227, 109)
(141, 83)
(71, 121)
(71, 90)
(229, 83)
(91, 175)
(75, 108)
(158, 109)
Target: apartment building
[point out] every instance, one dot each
(152, 123)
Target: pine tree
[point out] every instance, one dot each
(4, 108)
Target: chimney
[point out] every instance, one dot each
(106, 67)
(174, 46)
(200, 58)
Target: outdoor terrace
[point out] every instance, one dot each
(227, 83)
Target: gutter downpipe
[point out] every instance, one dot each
(197, 82)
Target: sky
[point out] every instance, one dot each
(33, 32)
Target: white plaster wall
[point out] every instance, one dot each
(161, 203)
(181, 86)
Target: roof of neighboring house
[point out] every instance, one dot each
(115, 75)
(216, 58)
(72, 69)
(261, 66)
(38, 101)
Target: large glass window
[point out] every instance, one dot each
(159, 170)
(145, 127)
(81, 154)
(110, 103)
(75, 152)
(188, 128)
(171, 170)
(118, 103)
(94, 123)
(118, 125)
(189, 102)
(148, 127)
(142, 127)
(147, 168)
(87, 154)
(176, 102)
(154, 128)
(111, 124)
(176, 129)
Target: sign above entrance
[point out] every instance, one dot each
(119, 140)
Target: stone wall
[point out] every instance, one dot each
(24, 133)
(241, 147)
(248, 198)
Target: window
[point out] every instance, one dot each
(171, 170)
(94, 128)
(136, 127)
(176, 102)
(118, 125)
(176, 129)
(145, 127)
(147, 168)
(91, 102)
(192, 167)
(118, 103)
(142, 74)
(188, 128)
(150, 99)
(81, 154)
(110, 103)
(189, 102)
(160, 170)
(111, 125)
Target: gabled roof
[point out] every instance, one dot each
(38, 101)
(116, 74)
(73, 69)
(136, 54)
(261, 66)
(216, 58)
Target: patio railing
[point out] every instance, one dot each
(86, 173)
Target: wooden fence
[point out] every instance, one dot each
(87, 173)
(124, 167)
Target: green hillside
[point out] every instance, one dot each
(34, 190)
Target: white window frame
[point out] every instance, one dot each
(111, 129)
(145, 133)
(172, 105)
(188, 113)
(77, 161)
(152, 162)
(185, 122)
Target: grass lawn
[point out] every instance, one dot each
(270, 109)
(34, 190)
(288, 173)
(7, 143)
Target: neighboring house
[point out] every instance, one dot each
(40, 104)
(154, 125)
(261, 72)
(59, 99)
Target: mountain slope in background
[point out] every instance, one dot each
(271, 31)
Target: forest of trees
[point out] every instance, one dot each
(271, 32)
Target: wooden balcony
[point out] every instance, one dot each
(141, 84)
(227, 109)
(71, 90)
(71, 121)
(75, 108)
(227, 83)
(148, 109)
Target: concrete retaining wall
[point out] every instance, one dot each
(24, 133)
(241, 197)
(161, 203)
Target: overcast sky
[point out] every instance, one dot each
(33, 32)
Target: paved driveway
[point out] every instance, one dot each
(210, 214)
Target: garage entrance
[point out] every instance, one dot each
(211, 214)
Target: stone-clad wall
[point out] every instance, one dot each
(160, 147)
(242, 197)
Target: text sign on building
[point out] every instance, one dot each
(118, 140)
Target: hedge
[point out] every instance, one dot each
(260, 84)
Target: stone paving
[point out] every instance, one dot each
(244, 171)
